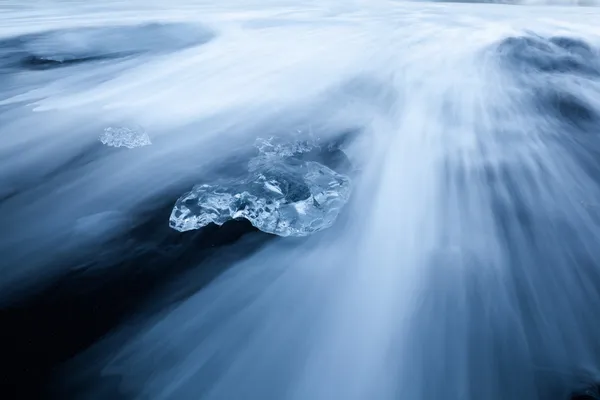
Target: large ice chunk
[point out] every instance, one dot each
(282, 194)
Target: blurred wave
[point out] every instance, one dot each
(464, 265)
(69, 46)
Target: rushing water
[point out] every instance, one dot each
(465, 265)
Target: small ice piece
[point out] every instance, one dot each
(281, 195)
(277, 146)
(125, 137)
(273, 186)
